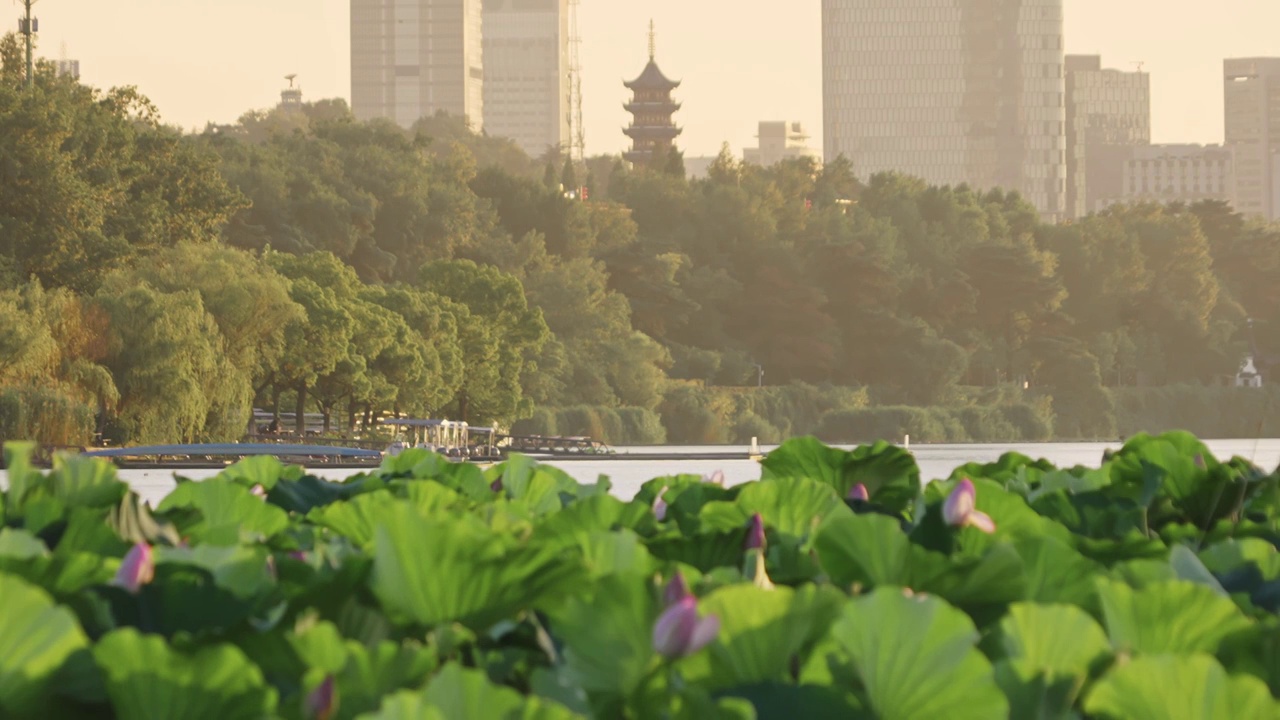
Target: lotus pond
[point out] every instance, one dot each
(838, 585)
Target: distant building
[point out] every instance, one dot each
(1174, 173)
(526, 72)
(69, 68)
(653, 130)
(1108, 114)
(291, 97)
(779, 141)
(1252, 106)
(952, 91)
(697, 167)
(413, 58)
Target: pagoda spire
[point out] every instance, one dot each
(653, 130)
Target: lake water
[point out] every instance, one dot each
(629, 473)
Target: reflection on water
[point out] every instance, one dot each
(627, 475)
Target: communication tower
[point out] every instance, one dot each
(577, 132)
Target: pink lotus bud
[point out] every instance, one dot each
(960, 509)
(660, 505)
(755, 533)
(715, 478)
(679, 631)
(137, 569)
(859, 492)
(677, 589)
(322, 703)
(496, 485)
(259, 491)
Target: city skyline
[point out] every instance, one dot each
(766, 64)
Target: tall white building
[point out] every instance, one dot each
(952, 91)
(779, 141)
(413, 58)
(526, 72)
(1252, 104)
(1172, 173)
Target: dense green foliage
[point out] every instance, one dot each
(1147, 588)
(306, 261)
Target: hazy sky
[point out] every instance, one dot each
(741, 60)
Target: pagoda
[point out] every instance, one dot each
(652, 131)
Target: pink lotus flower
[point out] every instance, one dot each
(322, 703)
(259, 491)
(960, 509)
(677, 589)
(660, 505)
(137, 569)
(679, 631)
(715, 478)
(755, 533)
(859, 492)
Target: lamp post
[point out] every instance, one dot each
(759, 375)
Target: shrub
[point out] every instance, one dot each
(46, 413)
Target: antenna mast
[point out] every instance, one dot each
(27, 27)
(577, 133)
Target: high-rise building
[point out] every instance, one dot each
(69, 68)
(1108, 114)
(1252, 95)
(779, 141)
(413, 58)
(526, 72)
(653, 130)
(952, 91)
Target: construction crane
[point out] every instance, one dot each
(577, 133)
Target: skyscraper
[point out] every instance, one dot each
(1108, 114)
(526, 72)
(1252, 95)
(414, 58)
(953, 91)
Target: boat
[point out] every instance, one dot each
(220, 455)
(453, 439)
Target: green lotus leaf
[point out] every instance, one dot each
(430, 571)
(357, 518)
(871, 550)
(704, 551)
(242, 571)
(608, 553)
(598, 513)
(1186, 566)
(1231, 554)
(1056, 573)
(792, 506)
(36, 638)
(374, 672)
(468, 695)
(224, 511)
(889, 472)
(20, 476)
(1034, 693)
(762, 633)
(148, 680)
(1167, 617)
(1059, 640)
(780, 700)
(309, 492)
(263, 470)
(87, 482)
(1178, 687)
(915, 657)
(405, 705)
(606, 630)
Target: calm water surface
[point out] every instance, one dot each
(629, 473)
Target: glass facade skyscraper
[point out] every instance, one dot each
(952, 91)
(526, 72)
(413, 58)
(1108, 114)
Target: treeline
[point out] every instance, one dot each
(156, 286)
